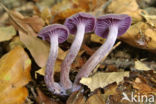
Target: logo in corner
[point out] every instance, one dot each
(125, 97)
(138, 98)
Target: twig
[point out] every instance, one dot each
(87, 49)
(106, 4)
(4, 7)
(99, 11)
(33, 92)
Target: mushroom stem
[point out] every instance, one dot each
(97, 56)
(49, 72)
(75, 47)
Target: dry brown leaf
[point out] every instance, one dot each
(66, 13)
(100, 8)
(61, 54)
(102, 98)
(3, 18)
(16, 20)
(151, 19)
(58, 65)
(141, 35)
(111, 95)
(57, 68)
(15, 42)
(129, 7)
(61, 6)
(38, 48)
(141, 66)
(142, 87)
(97, 39)
(67, 8)
(35, 22)
(89, 5)
(111, 90)
(45, 3)
(7, 33)
(43, 99)
(14, 75)
(29, 25)
(46, 15)
(100, 80)
(135, 15)
(96, 99)
(118, 6)
(76, 98)
(79, 61)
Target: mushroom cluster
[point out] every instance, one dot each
(109, 26)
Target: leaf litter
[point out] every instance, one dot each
(107, 82)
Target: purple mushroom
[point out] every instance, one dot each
(78, 24)
(110, 26)
(55, 33)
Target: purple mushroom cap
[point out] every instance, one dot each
(103, 23)
(55, 29)
(84, 18)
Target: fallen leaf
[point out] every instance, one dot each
(66, 13)
(141, 66)
(29, 25)
(100, 80)
(7, 33)
(135, 15)
(76, 98)
(43, 99)
(129, 7)
(14, 75)
(38, 48)
(141, 35)
(15, 42)
(67, 8)
(64, 9)
(18, 23)
(89, 5)
(118, 6)
(151, 19)
(45, 3)
(3, 18)
(35, 22)
(57, 68)
(97, 39)
(61, 54)
(96, 99)
(142, 87)
(46, 15)
(100, 8)
(102, 98)
(61, 6)
(79, 61)
(111, 90)
(113, 93)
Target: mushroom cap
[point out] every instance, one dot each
(84, 18)
(103, 23)
(54, 29)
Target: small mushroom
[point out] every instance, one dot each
(110, 26)
(55, 33)
(78, 24)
